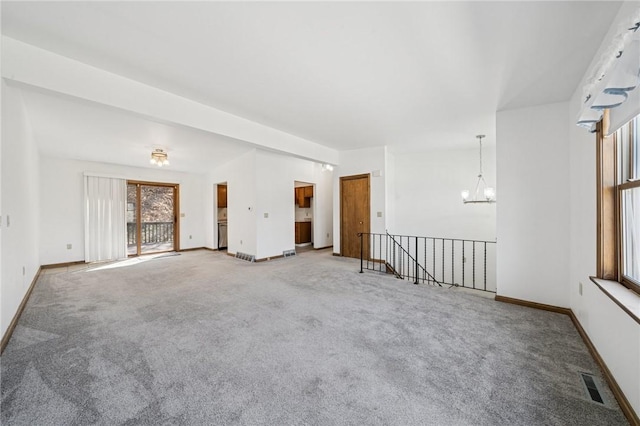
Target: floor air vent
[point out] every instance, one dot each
(592, 388)
(244, 256)
(288, 253)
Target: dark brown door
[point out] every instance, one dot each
(354, 214)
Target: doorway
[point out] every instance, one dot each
(304, 206)
(222, 195)
(354, 214)
(152, 217)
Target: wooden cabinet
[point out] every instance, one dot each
(303, 232)
(308, 191)
(222, 196)
(303, 196)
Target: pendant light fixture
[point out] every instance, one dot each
(488, 193)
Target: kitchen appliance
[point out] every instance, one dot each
(222, 235)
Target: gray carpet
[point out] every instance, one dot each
(204, 338)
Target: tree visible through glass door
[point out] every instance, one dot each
(151, 218)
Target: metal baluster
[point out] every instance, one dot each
(453, 280)
(474, 264)
(485, 265)
(416, 271)
(443, 280)
(361, 271)
(433, 251)
(394, 259)
(425, 262)
(463, 262)
(371, 238)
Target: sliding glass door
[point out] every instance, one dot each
(151, 218)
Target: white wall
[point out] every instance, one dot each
(20, 201)
(61, 206)
(264, 182)
(240, 176)
(427, 199)
(533, 204)
(615, 334)
(276, 176)
(362, 161)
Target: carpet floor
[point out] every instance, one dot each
(203, 338)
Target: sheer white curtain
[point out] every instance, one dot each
(105, 224)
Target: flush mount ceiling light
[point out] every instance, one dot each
(159, 157)
(488, 192)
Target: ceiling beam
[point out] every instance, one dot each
(41, 68)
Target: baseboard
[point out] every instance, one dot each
(264, 259)
(16, 317)
(534, 305)
(625, 406)
(623, 402)
(194, 249)
(63, 265)
(323, 248)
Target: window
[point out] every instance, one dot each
(619, 204)
(629, 194)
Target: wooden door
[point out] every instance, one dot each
(354, 214)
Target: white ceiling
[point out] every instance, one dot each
(67, 127)
(416, 75)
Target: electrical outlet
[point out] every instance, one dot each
(580, 288)
(240, 241)
(69, 246)
(379, 214)
(190, 236)
(24, 271)
(266, 215)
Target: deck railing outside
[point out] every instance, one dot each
(151, 232)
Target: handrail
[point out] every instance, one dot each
(445, 238)
(435, 260)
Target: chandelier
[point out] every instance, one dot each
(159, 157)
(488, 193)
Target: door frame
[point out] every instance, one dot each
(176, 213)
(342, 228)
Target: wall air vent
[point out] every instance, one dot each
(244, 256)
(289, 253)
